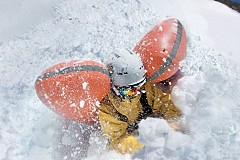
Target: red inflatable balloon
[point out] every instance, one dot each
(74, 89)
(162, 49)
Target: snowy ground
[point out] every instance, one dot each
(208, 94)
(216, 24)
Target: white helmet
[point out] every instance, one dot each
(125, 68)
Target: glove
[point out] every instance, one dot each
(128, 144)
(175, 126)
(180, 126)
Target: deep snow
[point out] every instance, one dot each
(216, 24)
(208, 94)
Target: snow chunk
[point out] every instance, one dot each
(160, 28)
(97, 103)
(46, 96)
(164, 60)
(82, 102)
(57, 83)
(84, 85)
(152, 132)
(73, 105)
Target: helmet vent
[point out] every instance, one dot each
(119, 74)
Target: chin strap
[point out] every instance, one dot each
(116, 90)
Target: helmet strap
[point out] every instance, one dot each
(116, 90)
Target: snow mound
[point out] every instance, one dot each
(207, 95)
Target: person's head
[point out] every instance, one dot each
(127, 73)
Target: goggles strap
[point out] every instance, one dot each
(115, 90)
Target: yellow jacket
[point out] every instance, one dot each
(119, 117)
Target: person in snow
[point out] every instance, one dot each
(130, 100)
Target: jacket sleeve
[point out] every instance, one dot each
(162, 104)
(120, 140)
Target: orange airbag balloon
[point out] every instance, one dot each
(162, 49)
(74, 89)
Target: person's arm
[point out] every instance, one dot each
(120, 140)
(163, 106)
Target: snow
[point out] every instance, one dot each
(17, 16)
(84, 85)
(36, 35)
(82, 102)
(164, 60)
(214, 23)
